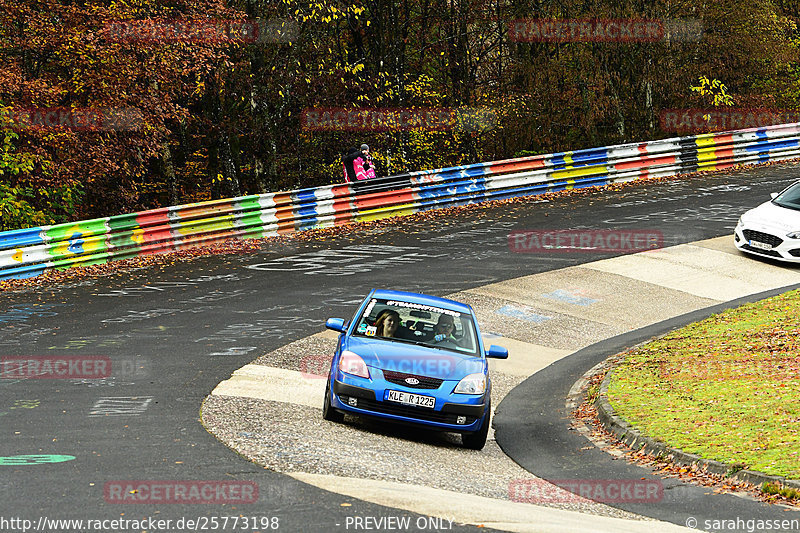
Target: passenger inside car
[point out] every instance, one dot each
(388, 324)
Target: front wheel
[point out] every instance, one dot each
(328, 412)
(477, 440)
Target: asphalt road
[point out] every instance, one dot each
(173, 332)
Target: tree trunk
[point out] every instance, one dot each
(168, 171)
(227, 178)
(224, 178)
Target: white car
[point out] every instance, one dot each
(773, 228)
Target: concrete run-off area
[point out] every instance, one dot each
(270, 410)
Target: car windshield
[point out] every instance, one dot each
(790, 198)
(413, 323)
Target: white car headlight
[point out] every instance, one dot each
(471, 384)
(351, 363)
(794, 235)
(739, 223)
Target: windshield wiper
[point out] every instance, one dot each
(407, 341)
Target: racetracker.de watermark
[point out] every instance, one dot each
(584, 240)
(55, 367)
(605, 30)
(180, 492)
(201, 31)
(316, 366)
(578, 490)
(73, 118)
(738, 368)
(722, 119)
(398, 119)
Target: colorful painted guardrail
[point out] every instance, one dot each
(31, 251)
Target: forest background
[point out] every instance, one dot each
(185, 117)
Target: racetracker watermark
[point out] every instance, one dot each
(317, 366)
(584, 240)
(131, 367)
(201, 31)
(578, 490)
(722, 119)
(398, 119)
(55, 367)
(146, 523)
(738, 368)
(73, 119)
(605, 31)
(180, 492)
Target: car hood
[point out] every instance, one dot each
(770, 216)
(413, 359)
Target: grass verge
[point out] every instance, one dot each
(725, 388)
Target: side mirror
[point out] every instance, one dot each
(497, 352)
(336, 324)
(773, 195)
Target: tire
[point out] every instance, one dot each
(328, 412)
(477, 440)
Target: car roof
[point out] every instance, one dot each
(424, 299)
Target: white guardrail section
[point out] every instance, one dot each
(29, 252)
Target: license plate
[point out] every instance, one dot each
(407, 398)
(761, 245)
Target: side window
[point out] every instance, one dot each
(466, 333)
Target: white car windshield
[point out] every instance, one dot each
(790, 198)
(413, 323)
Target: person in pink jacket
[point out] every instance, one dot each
(358, 165)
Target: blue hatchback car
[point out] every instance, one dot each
(413, 359)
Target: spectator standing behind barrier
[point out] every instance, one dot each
(358, 165)
(347, 163)
(369, 166)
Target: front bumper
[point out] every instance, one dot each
(751, 238)
(458, 417)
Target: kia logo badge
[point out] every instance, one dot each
(412, 381)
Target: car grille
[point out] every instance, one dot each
(399, 378)
(795, 252)
(420, 413)
(771, 253)
(759, 236)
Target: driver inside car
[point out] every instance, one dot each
(444, 329)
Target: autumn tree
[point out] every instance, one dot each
(187, 116)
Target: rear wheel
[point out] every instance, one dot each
(477, 440)
(328, 412)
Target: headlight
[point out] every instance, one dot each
(351, 363)
(739, 223)
(794, 235)
(472, 384)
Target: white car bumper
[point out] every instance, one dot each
(765, 241)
